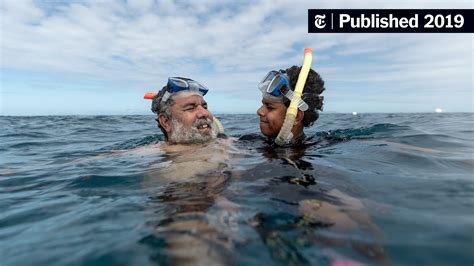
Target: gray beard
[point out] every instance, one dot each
(182, 135)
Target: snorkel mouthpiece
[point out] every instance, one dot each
(284, 136)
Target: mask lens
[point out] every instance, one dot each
(179, 82)
(269, 76)
(263, 86)
(198, 87)
(193, 86)
(275, 85)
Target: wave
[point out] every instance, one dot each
(135, 143)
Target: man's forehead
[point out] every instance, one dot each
(184, 97)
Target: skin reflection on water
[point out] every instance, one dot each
(324, 218)
(193, 181)
(206, 204)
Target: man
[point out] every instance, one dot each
(182, 113)
(183, 118)
(195, 171)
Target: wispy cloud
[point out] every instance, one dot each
(228, 46)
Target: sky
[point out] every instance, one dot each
(99, 57)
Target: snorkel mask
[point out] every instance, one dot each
(277, 84)
(176, 84)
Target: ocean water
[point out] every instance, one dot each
(367, 189)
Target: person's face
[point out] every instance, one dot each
(191, 122)
(272, 114)
(189, 107)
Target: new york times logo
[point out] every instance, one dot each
(391, 20)
(319, 21)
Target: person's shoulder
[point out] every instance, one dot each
(252, 140)
(252, 137)
(147, 149)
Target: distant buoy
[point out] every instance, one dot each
(438, 110)
(354, 113)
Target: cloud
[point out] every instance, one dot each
(228, 45)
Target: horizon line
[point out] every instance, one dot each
(350, 113)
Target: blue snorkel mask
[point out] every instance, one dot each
(277, 84)
(176, 84)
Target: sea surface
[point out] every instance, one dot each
(366, 189)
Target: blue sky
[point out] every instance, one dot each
(100, 57)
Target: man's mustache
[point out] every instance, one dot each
(202, 121)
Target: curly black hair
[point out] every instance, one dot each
(313, 87)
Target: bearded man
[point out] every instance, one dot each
(193, 136)
(182, 113)
(197, 164)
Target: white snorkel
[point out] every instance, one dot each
(217, 124)
(284, 136)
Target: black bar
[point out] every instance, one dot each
(390, 20)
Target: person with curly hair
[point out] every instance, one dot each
(277, 88)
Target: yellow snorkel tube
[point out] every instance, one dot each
(284, 136)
